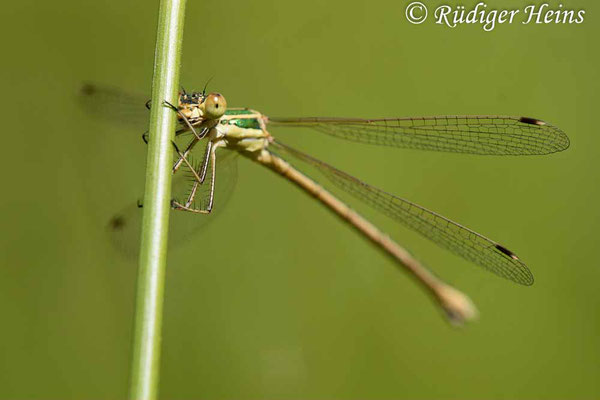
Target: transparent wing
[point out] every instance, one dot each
(476, 134)
(116, 105)
(124, 228)
(113, 104)
(439, 229)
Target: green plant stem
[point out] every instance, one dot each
(155, 222)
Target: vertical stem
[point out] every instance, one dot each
(155, 222)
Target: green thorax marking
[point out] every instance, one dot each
(241, 118)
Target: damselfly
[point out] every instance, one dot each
(206, 118)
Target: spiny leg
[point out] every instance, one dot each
(213, 162)
(186, 120)
(198, 180)
(183, 117)
(175, 205)
(197, 136)
(182, 156)
(207, 154)
(187, 163)
(192, 194)
(188, 206)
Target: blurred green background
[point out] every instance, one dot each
(277, 298)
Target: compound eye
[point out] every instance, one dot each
(214, 106)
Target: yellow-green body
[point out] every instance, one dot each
(243, 130)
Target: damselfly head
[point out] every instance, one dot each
(214, 106)
(188, 100)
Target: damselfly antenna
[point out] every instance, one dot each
(206, 85)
